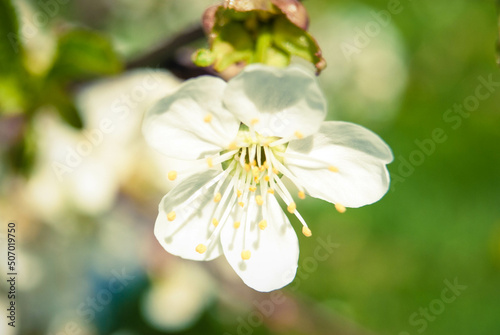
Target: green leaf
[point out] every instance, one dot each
(296, 41)
(12, 72)
(63, 101)
(10, 48)
(82, 55)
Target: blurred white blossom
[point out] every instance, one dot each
(83, 170)
(178, 296)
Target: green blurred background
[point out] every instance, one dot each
(423, 260)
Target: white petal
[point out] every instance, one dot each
(191, 123)
(274, 250)
(359, 155)
(285, 102)
(192, 223)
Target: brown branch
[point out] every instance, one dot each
(174, 55)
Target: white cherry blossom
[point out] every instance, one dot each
(246, 135)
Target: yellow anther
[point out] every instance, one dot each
(302, 195)
(217, 197)
(333, 168)
(239, 193)
(201, 248)
(265, 165)
(254, 121)
(247, 167)
(340, 208)
(267, 178)
(292, 207)
(298, 134)
(215, 222)
(253, 163)
(262, 168)
(306, 231)
(263, 224)
(232, 146)
(242, 204)
(172, 175)
(208, 118)
(255, 171)
(271, 191)
(171, 216)
(245, 255)
(210, 162)
(276, 171)
(236, 225)
(259, 200)
(252, 188)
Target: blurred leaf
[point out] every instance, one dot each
(83, 55)
(63, 101)
(11, 69)
(21, 155)
(9, 46)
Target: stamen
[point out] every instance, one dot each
(215, 222)
(287, 198)
(201, 248)
(292, 207)
(242, 157)
(172, 175)
(263, 224)
(245, 255)
(340, 208)
(239, 193)
(208, 118)
(259, 156)
(210, 162)
(302, 195)
(306, 231)
(224, 176)
(259, 200)
(266, 178)
(221, 176)
(333, 168)
(252, 188)
(233, 146)
(270, 191)
(217, 197)
(237, 224)
(251, 154)
(298, 134)
(287, 173)
(254, 121)
(279, 142)
(224, 217)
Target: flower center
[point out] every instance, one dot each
(252, 169)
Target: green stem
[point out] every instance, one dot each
(264, 41)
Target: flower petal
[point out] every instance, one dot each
(277, 102)
(191, 123)
(192, 204)
(344, 163)
(274, 250)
